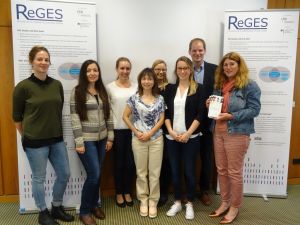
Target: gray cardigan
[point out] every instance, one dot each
(95, 128)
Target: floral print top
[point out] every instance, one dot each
(145, 116)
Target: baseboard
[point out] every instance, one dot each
(9, 198)
(294, 181)
(108, 193)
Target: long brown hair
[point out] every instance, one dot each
(82, 88)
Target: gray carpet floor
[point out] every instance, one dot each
(255, 211)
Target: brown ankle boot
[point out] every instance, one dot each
(87, 220)
(98, 213)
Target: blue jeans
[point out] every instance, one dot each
(58, 157)
(92, 160)
(186, 152)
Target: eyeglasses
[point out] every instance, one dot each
(160, 70)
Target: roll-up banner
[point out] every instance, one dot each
(267, 40)
(68, 30)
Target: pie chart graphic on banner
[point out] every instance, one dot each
(274, 74)
(69, 71)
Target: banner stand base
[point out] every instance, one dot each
(23, 211)
(265, 197)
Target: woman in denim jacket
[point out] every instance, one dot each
(232, 129)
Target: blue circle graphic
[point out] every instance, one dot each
(284, 75)
(274, 74)
(74, 71)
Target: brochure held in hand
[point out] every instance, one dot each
(215, 106)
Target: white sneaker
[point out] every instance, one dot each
(175, 208)
(189, 213)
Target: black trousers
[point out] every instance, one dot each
(165, 174)
(124, 167)
(206, 148)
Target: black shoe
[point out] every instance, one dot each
(129, 203)
(46, 219)
(59, 213)
(162, 202)
(122, 205)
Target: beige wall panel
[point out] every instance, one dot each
(292, 4)
(8, 131)
(5, 15)
(276, 4)
(1, 177)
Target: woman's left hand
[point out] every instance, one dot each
(108, 146)
(145, 136)
(184, 137)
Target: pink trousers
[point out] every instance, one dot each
(230, 150)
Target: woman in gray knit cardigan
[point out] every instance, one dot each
(92, 126)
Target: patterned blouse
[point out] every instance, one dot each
(144, 116)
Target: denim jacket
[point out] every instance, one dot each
(244, 105)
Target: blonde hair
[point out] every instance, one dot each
(192, 83)
(165, 81)
(242, 76)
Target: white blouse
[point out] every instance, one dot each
(118, 98)
(179, 115)
(179, 112)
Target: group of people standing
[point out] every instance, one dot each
(152, 126)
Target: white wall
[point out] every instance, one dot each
(144, 30)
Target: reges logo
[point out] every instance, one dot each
(248, 23)
(42, 14)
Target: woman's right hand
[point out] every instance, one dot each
(80, 150)
(174, 135)
(138, 134)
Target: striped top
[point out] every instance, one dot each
(95, 128)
